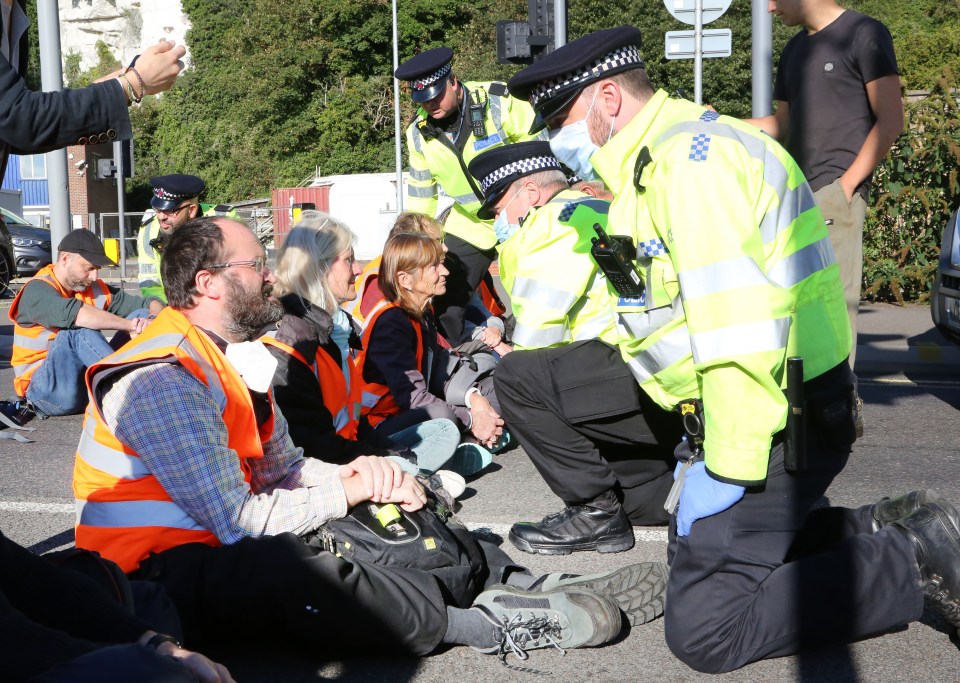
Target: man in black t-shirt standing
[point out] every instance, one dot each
(839, 110)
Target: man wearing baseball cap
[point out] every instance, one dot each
(176, 200)
(454, 122)
(59, 314)
(739, 276)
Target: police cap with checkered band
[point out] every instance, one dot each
(497, 168)
(426, 72)
(553, 82)
(169, 191)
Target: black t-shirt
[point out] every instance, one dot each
(823, 77)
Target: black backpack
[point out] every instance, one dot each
(432, 539)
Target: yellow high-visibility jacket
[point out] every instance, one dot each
(738, 269)
(436, 160)
(557, 293)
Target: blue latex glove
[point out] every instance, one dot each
(702, 496)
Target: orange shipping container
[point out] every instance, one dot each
(284, 199)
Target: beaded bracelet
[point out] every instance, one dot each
(143, 87)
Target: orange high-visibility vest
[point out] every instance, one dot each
(376, 401)
(123, 512)
(370, 273)
(344, 408)
(31, 343)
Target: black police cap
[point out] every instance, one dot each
(426, 72)
(553, 82)
(497, 168)
(170, 190)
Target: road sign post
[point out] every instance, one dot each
(704, 43)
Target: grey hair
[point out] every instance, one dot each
(308, 251)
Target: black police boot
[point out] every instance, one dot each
(889, 510)
(934, 532)
(600, 525)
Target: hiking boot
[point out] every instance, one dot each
(639, 589)
(562, 618)
(599, 525)
(889, 510)
(934, 532)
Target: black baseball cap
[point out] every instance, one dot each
(87, 245)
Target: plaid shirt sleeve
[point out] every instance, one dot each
(170, 419)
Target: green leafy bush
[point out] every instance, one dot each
(916, 189)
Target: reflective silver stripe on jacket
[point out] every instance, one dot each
(417, 174)
(113, 462)
(668, 351)
(135, 513)
(342, 418)
(740, 340)
(421, 192)
(532, 337)
(801, 264)
(468, 198)
(369, 400)
(544, 295)
(496, 115)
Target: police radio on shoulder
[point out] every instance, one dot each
(613, 256)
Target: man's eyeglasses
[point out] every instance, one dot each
(173, 212)
(257, 264)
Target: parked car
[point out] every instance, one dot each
(945, 301)
(6, 255)
(31, 244)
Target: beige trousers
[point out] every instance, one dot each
(845, 224)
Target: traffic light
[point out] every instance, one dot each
(524, 42)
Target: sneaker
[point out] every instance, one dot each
(503, 442)
(469, 459)
(639, 589)
(562, 618)
(19, 412)
(452, 482)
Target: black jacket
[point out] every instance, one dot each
(297, 391)
(34, 122)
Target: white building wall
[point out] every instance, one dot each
(127, 27)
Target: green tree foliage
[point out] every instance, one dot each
(918, 187)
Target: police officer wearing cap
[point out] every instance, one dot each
(564, 309)
(454, 122)
(739, 276)
(59, 314)
(175, 201)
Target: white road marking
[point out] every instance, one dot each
(654, 534)
(14, 506)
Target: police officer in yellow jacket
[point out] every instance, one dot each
(454, 122)
(175, 201)
(544, 227)
(739, 276)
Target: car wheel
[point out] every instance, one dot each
(6, 273)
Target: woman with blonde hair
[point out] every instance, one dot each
(482, 315)
(403, 368)
(316, 384)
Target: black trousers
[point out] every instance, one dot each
(733, 597)
(280, 586)
(466, 264)
(588, 427)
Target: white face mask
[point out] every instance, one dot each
(573, 146)
(501, 224)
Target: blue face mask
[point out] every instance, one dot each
(501, 224)
(573, 146)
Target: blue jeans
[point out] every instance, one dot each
(57, 387)
(433, 441)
